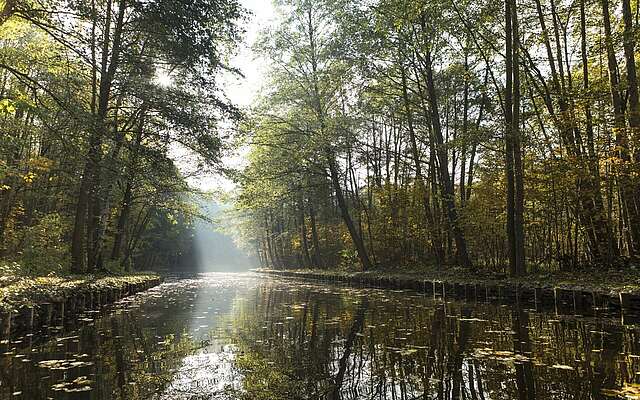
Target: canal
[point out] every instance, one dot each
(247, 336)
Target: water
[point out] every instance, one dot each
(226, 336)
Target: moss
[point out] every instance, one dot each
(19, 292)
(588, 279)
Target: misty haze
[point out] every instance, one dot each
(216, 251)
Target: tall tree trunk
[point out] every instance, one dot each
(329, 153)
(303, 237)
(605, 243)
(474, 147)
(98, 199)
(125, 208)
(445, 179)
(465, 133)
(634, 119)
(518, 166)
(346, 216)
(87, 213)
(317, 253)
(513, 154)
(621, 138)
(508, 140)
(436, 241)
(586, 210)
(267, 231)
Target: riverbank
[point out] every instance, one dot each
(28, 304)
(596, 289)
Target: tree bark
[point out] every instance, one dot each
(346, 216)
(513, 154)
(634, 119)
(436, 242)
(518, 166)
(445, 179)
(621, 137)
(87, 215)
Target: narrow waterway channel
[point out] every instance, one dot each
(246, 336)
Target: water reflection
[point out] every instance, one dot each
(245, 337)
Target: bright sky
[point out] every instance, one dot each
(242, 91)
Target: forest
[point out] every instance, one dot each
(107, 109)
(493, 135)
(443, 197)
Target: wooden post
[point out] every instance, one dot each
(70, 305)
(6, 325)
(47, 312)
(28, 315)
(61, 311)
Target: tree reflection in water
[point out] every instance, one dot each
(340, 343)
(244, 337)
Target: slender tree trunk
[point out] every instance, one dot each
(465, 133)
(634, 119)
(137, 234)
(303, 237)
(508, 139)
(445, 179)
(125, 208)
(329, 153)
(517, 148)
(346, 216)
(436, 241)
(602, 227)
(621, 138)
(267, 230)
(513, 154)
(474, 147)
(84, 252)
(317, 253)
(98, 199)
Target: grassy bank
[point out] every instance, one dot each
(38, 304)
(17, 292)
(562, 292)
(596, 280)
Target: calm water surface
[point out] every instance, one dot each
(243, 336)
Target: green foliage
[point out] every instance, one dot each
(355, 84)
(17, 292)
(45, 247)
(89, 139)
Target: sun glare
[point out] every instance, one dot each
(163, 78)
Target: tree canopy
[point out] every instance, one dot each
(499, 135)
(99, 99)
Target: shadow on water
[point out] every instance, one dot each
(240, 336)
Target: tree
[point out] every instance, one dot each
(98, 131)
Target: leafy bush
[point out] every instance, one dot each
(348, 259)
(45, 248)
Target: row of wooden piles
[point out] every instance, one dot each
(58, 311)
(557, 299)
